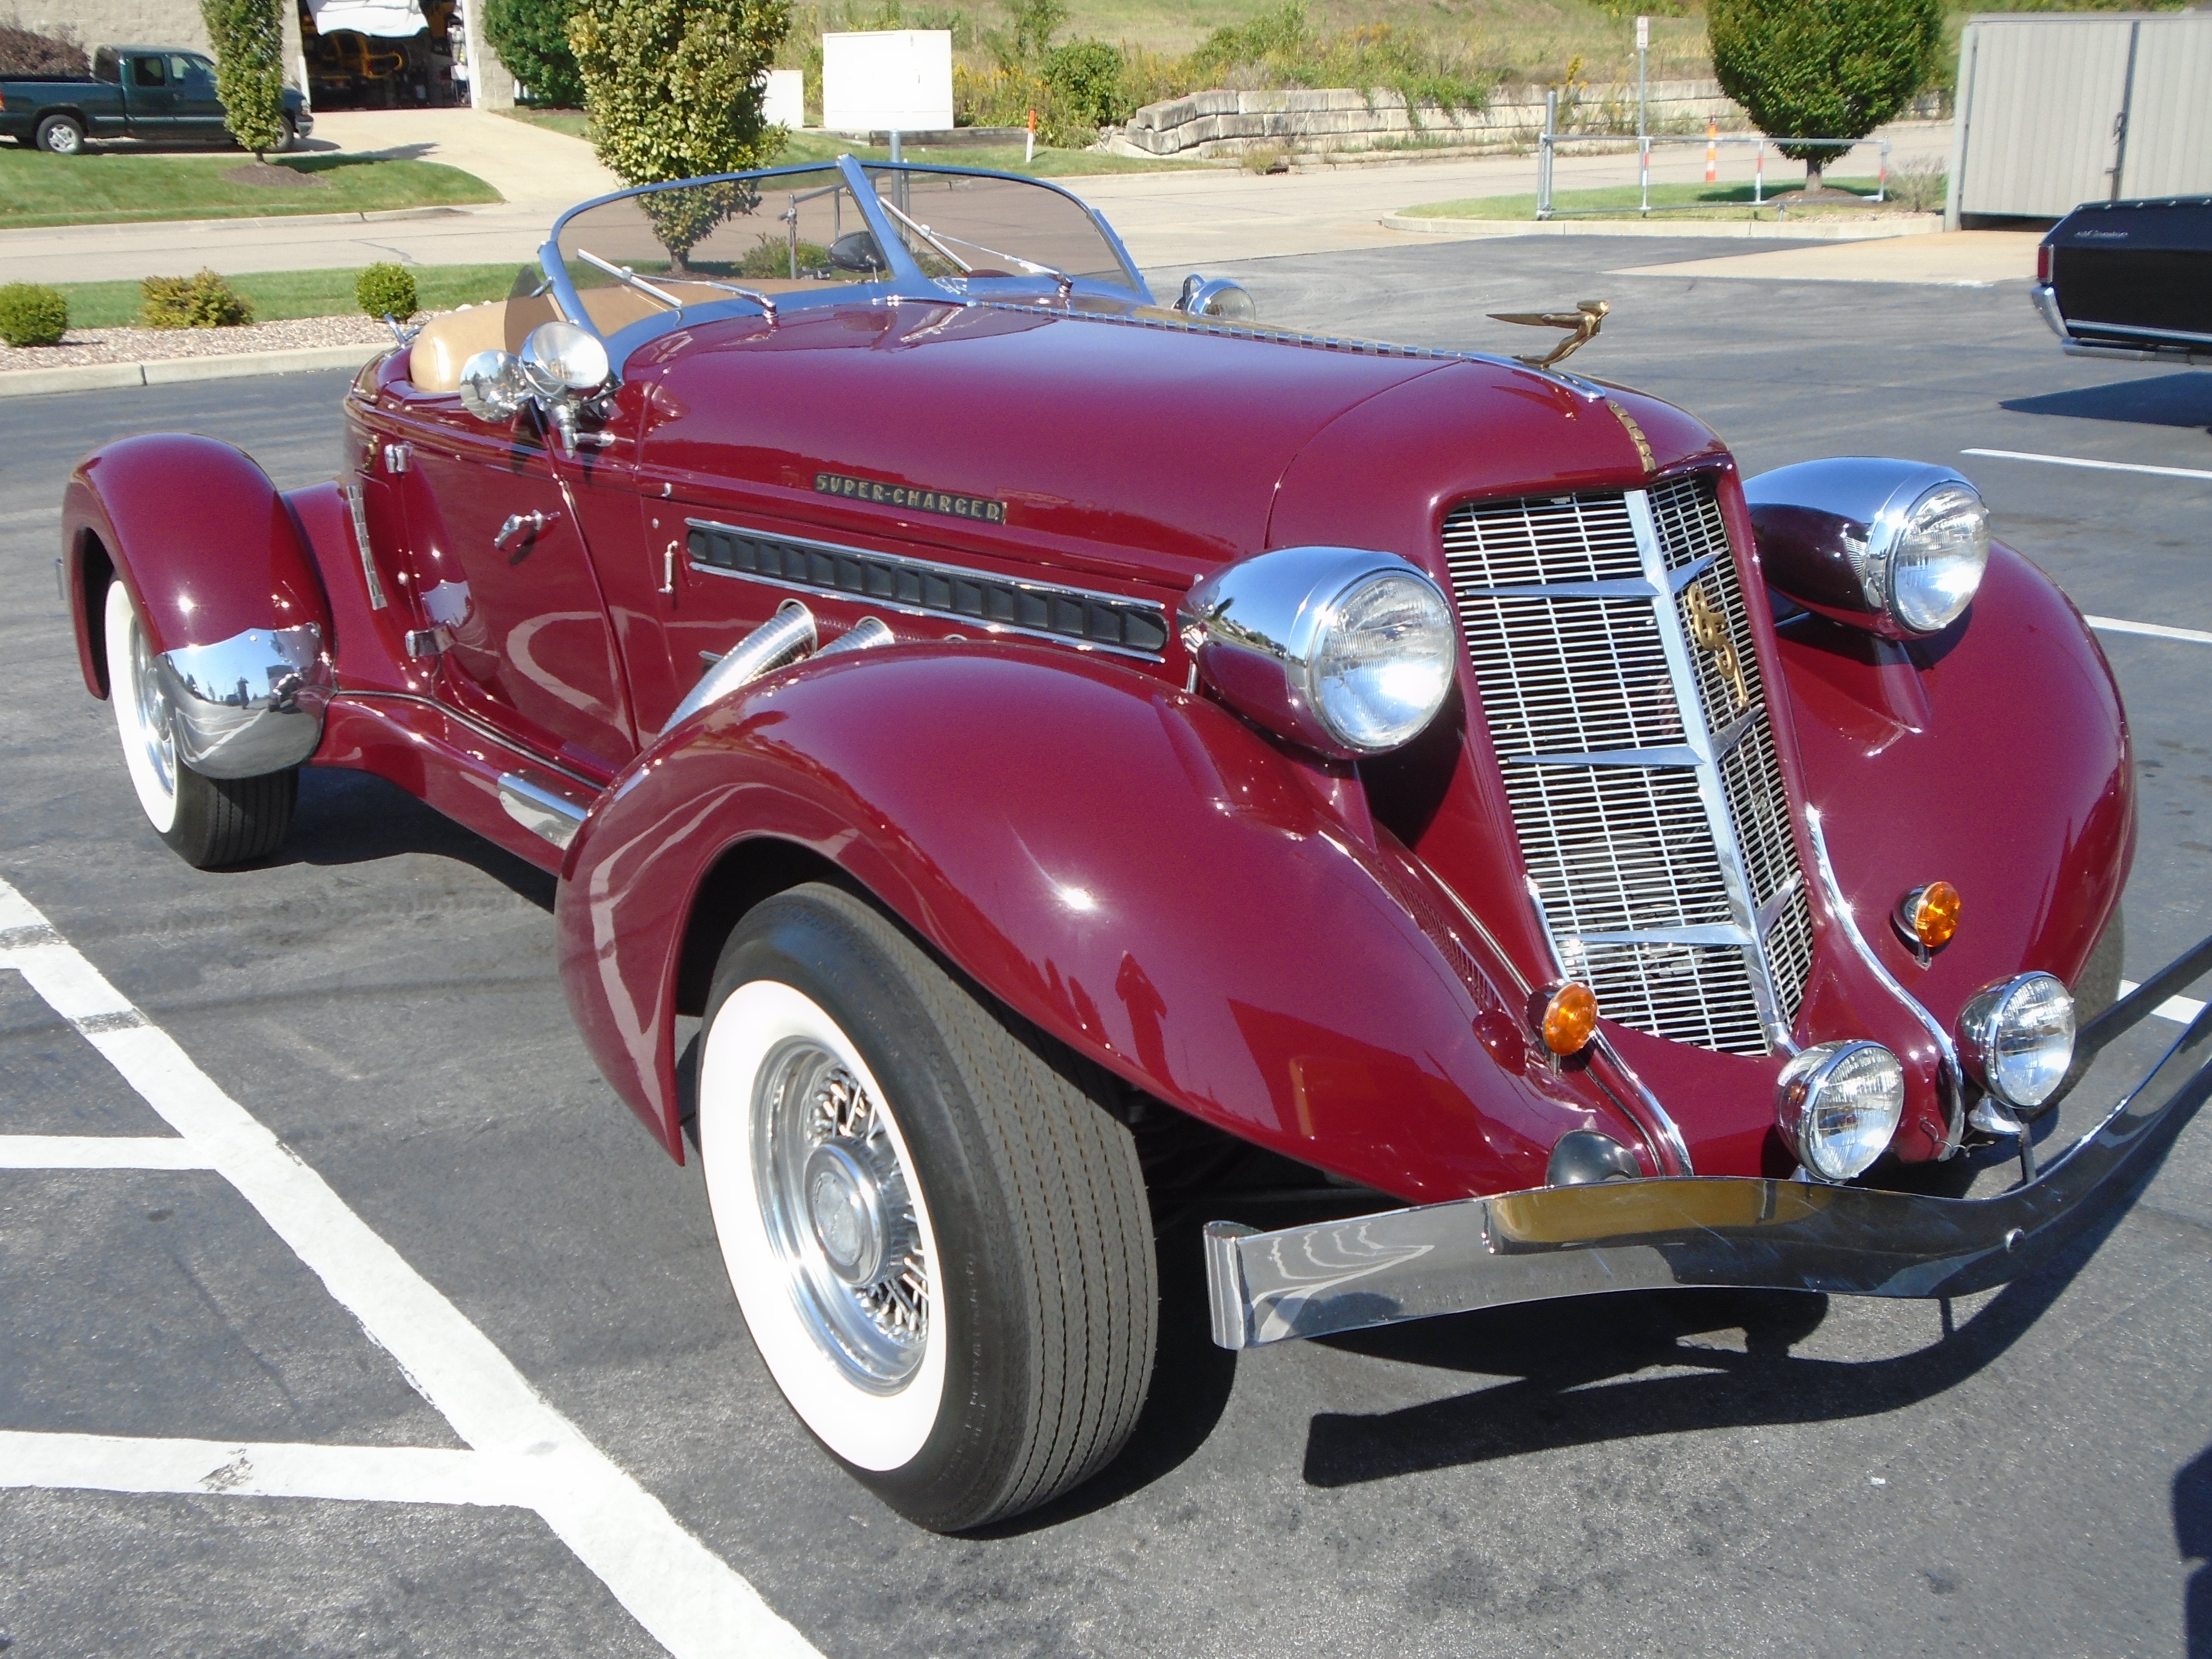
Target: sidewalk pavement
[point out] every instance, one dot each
(1957, 258)
(1183, 219)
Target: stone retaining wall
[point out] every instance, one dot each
(1207, 124)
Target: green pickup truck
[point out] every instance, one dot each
(133, 92)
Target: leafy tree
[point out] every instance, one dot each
(249, 70)
(670, 88)
(532, 38)
(1822, 69)
(32, 51)
(1084, 78)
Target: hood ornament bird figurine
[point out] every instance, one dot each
(1584, 321)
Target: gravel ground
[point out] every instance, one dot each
(139, 345)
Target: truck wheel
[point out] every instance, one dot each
(290, 141)
(939, 1239)
(60, 135)
(207, 822)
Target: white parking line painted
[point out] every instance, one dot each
(372, 1475)
(99, 1152)
(2101, 466)
(687, 1597)
(2155, 630)
(2180, 1010)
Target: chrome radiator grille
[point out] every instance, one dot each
(1609, 636)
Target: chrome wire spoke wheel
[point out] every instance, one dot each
(142, 718)
(839, 1211)
(824, 1227)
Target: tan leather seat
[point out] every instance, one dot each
(448, 342)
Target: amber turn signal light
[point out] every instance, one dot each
(1929, 914)
(1568, 1019)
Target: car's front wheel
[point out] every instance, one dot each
(939, 1238)
(207, 822)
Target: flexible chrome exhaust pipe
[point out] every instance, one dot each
(781, 639)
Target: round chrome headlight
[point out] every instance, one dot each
(1942, 548)
(2016, 1038)
(1348, 652)
(1382, 662)
(1838, 1104)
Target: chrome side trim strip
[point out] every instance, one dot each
(1674, 756)
(1706, 1232)
(1653, 1118)
(1610, 590)
(539, 810)
(1954, 1111)
(359, 508)
(1716, 934)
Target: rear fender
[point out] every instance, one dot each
(196, 533)
(1129, 868)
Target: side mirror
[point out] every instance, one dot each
(1218, 298)
(492, 388)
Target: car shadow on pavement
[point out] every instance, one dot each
(345, 817)
(2168, 400)
(2192, 1533)
(1564, 1356)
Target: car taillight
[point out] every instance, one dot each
(2043, 262)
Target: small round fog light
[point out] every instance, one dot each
(1838, 1104)
(1568, 1019)
(2016, 1037)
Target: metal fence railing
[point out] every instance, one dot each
(1548, 141)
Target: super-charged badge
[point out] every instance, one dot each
(926, 500)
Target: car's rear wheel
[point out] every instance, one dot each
(939, 1237)
(60, 135)
(207, 822)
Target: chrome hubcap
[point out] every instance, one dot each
(153, 712)
(840, 1215)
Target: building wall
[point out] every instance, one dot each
(150, 23)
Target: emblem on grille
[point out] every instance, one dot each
(1709, 633)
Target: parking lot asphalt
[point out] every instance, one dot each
(2025, 1472)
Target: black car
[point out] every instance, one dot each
(2130, 279)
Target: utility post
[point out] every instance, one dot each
(1642, 53)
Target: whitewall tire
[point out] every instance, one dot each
(936, 1229)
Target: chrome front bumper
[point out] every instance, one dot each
(1706, 1233)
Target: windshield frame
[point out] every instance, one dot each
(906, 280)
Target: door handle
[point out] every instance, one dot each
(519, 522)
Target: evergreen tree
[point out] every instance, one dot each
(1822, 69)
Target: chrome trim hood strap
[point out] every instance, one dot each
(1708, 1233)
(1955, 1109)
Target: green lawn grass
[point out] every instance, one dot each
(1683, 202)
(277, 294)
(573, 122)
(106, 187)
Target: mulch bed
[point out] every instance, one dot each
(139, 345)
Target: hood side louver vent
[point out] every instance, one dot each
(1624, 697)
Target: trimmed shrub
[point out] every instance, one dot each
(201, 302)
(32, 314)
(32, 51)
(388, 290)
(532, 38)
(670, 88)
(1822, 69)
(249, 70)
(1085, 79)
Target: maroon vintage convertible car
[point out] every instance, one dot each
(1015, 717)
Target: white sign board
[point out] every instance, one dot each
(899, 80)
(783, 102)
(1643, 35)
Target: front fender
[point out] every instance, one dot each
(1128, 867)
(196, 533)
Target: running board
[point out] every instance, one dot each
(554, 816)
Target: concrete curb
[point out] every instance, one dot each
(170, 371)
(1763, 230)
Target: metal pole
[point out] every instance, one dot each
(1644, 170)
(1544, 153)
(1881, 179)
(1759, 175)
(895, 144)
(1643, 50)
